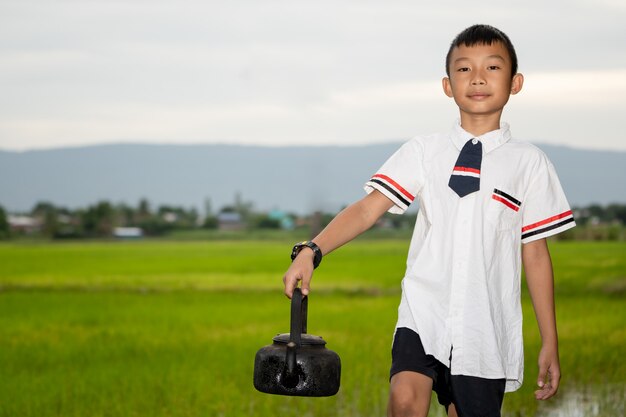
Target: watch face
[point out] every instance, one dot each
(296, 249)
(317, 258)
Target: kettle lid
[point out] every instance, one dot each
(305, 339)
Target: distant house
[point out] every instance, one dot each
(24, 224)
(285, 221)
(230, 221)
(170, 217)
(128, 232)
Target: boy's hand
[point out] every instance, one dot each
(549, 373)
(301, 269)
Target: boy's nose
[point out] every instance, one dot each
(478, 78)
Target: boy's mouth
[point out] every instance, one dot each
(478, 95)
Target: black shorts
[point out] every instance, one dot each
(471, 396)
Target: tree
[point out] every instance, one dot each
(5, 232)
(263, 221)
(99, 220)
(617, 212)
(143, 211)
(244, 208)
(210, 222)
(48, 214)
(125, 215)
(178, 217)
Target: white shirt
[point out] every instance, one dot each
(461, 289)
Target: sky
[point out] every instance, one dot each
(278, 73)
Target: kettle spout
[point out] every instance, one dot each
(290, 377)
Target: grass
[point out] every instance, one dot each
(171, 328)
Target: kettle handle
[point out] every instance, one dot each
(299, 307)
(290, 377)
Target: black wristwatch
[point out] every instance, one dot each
(307, 243)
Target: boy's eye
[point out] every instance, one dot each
(463, 69)
(493, 67)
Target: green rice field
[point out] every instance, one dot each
(170, 328)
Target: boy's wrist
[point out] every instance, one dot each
(315, 253)
(550, 343)
(307, 252)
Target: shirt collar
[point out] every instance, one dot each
(490, 140)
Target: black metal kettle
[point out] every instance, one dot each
(297, 363)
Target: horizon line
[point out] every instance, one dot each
(264, 145)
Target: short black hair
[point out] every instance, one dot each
(483, 35)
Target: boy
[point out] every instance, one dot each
(487, 204)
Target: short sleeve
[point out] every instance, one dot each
(546, 211)
(400, 178)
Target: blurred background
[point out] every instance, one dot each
(228, 89)
(294, 72)
(159, 158)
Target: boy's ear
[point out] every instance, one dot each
(516, 83)
(447, 88)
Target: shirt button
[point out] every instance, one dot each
(474, 141)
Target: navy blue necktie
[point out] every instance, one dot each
(465, 178)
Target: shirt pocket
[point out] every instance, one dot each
(503, 210)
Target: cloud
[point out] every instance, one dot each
(276, 71)
(589, 88)
(560, 107)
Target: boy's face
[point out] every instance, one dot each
(480, 79)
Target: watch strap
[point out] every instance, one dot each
(309, 244)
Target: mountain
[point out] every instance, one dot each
(299, 179)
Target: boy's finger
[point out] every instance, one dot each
(554, 377)
(306, 286)
(288, 292)
(547, 389)
(543, 393)
(541, 379)
(290, 285)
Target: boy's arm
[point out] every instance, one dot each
(538, 267)
(348, 224)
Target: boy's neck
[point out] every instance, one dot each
(478, 125)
